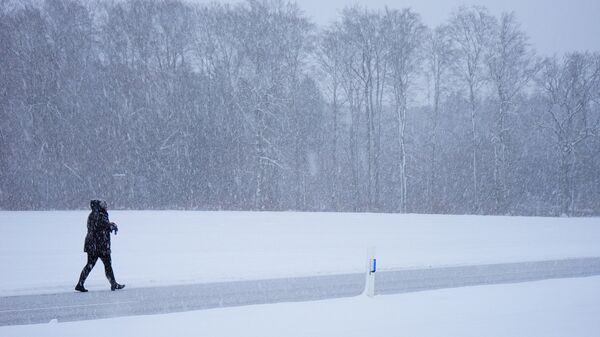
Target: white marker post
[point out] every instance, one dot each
(371, 269)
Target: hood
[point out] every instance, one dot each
(98, 205)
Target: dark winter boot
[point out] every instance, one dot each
(79, 287)
(116, 286)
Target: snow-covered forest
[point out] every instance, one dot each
(251, 106)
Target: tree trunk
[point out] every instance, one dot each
(475, 207)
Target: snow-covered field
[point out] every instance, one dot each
(41, 252)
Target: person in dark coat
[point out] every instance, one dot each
(97, 244)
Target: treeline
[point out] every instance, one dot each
(167, 104)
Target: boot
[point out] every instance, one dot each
(116, 286)
(79, 287)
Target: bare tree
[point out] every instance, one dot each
(352, 89)
(363, 31)
(569, 87)
(511, 65)
(438, 58)
(275, 43)
(404, 36)
(469, 30)
(330, 56)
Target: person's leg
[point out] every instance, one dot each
(91, 262)
(109, 273)
(108, 269)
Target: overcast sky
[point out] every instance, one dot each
(554, 26)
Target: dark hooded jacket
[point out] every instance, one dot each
(97, 240)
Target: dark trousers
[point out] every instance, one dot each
(91, 262)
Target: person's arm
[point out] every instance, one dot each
(112, 227)
(102, 223)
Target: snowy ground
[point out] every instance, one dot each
(565, 307)
(41, 252)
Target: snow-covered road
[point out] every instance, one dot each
(32, 309)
